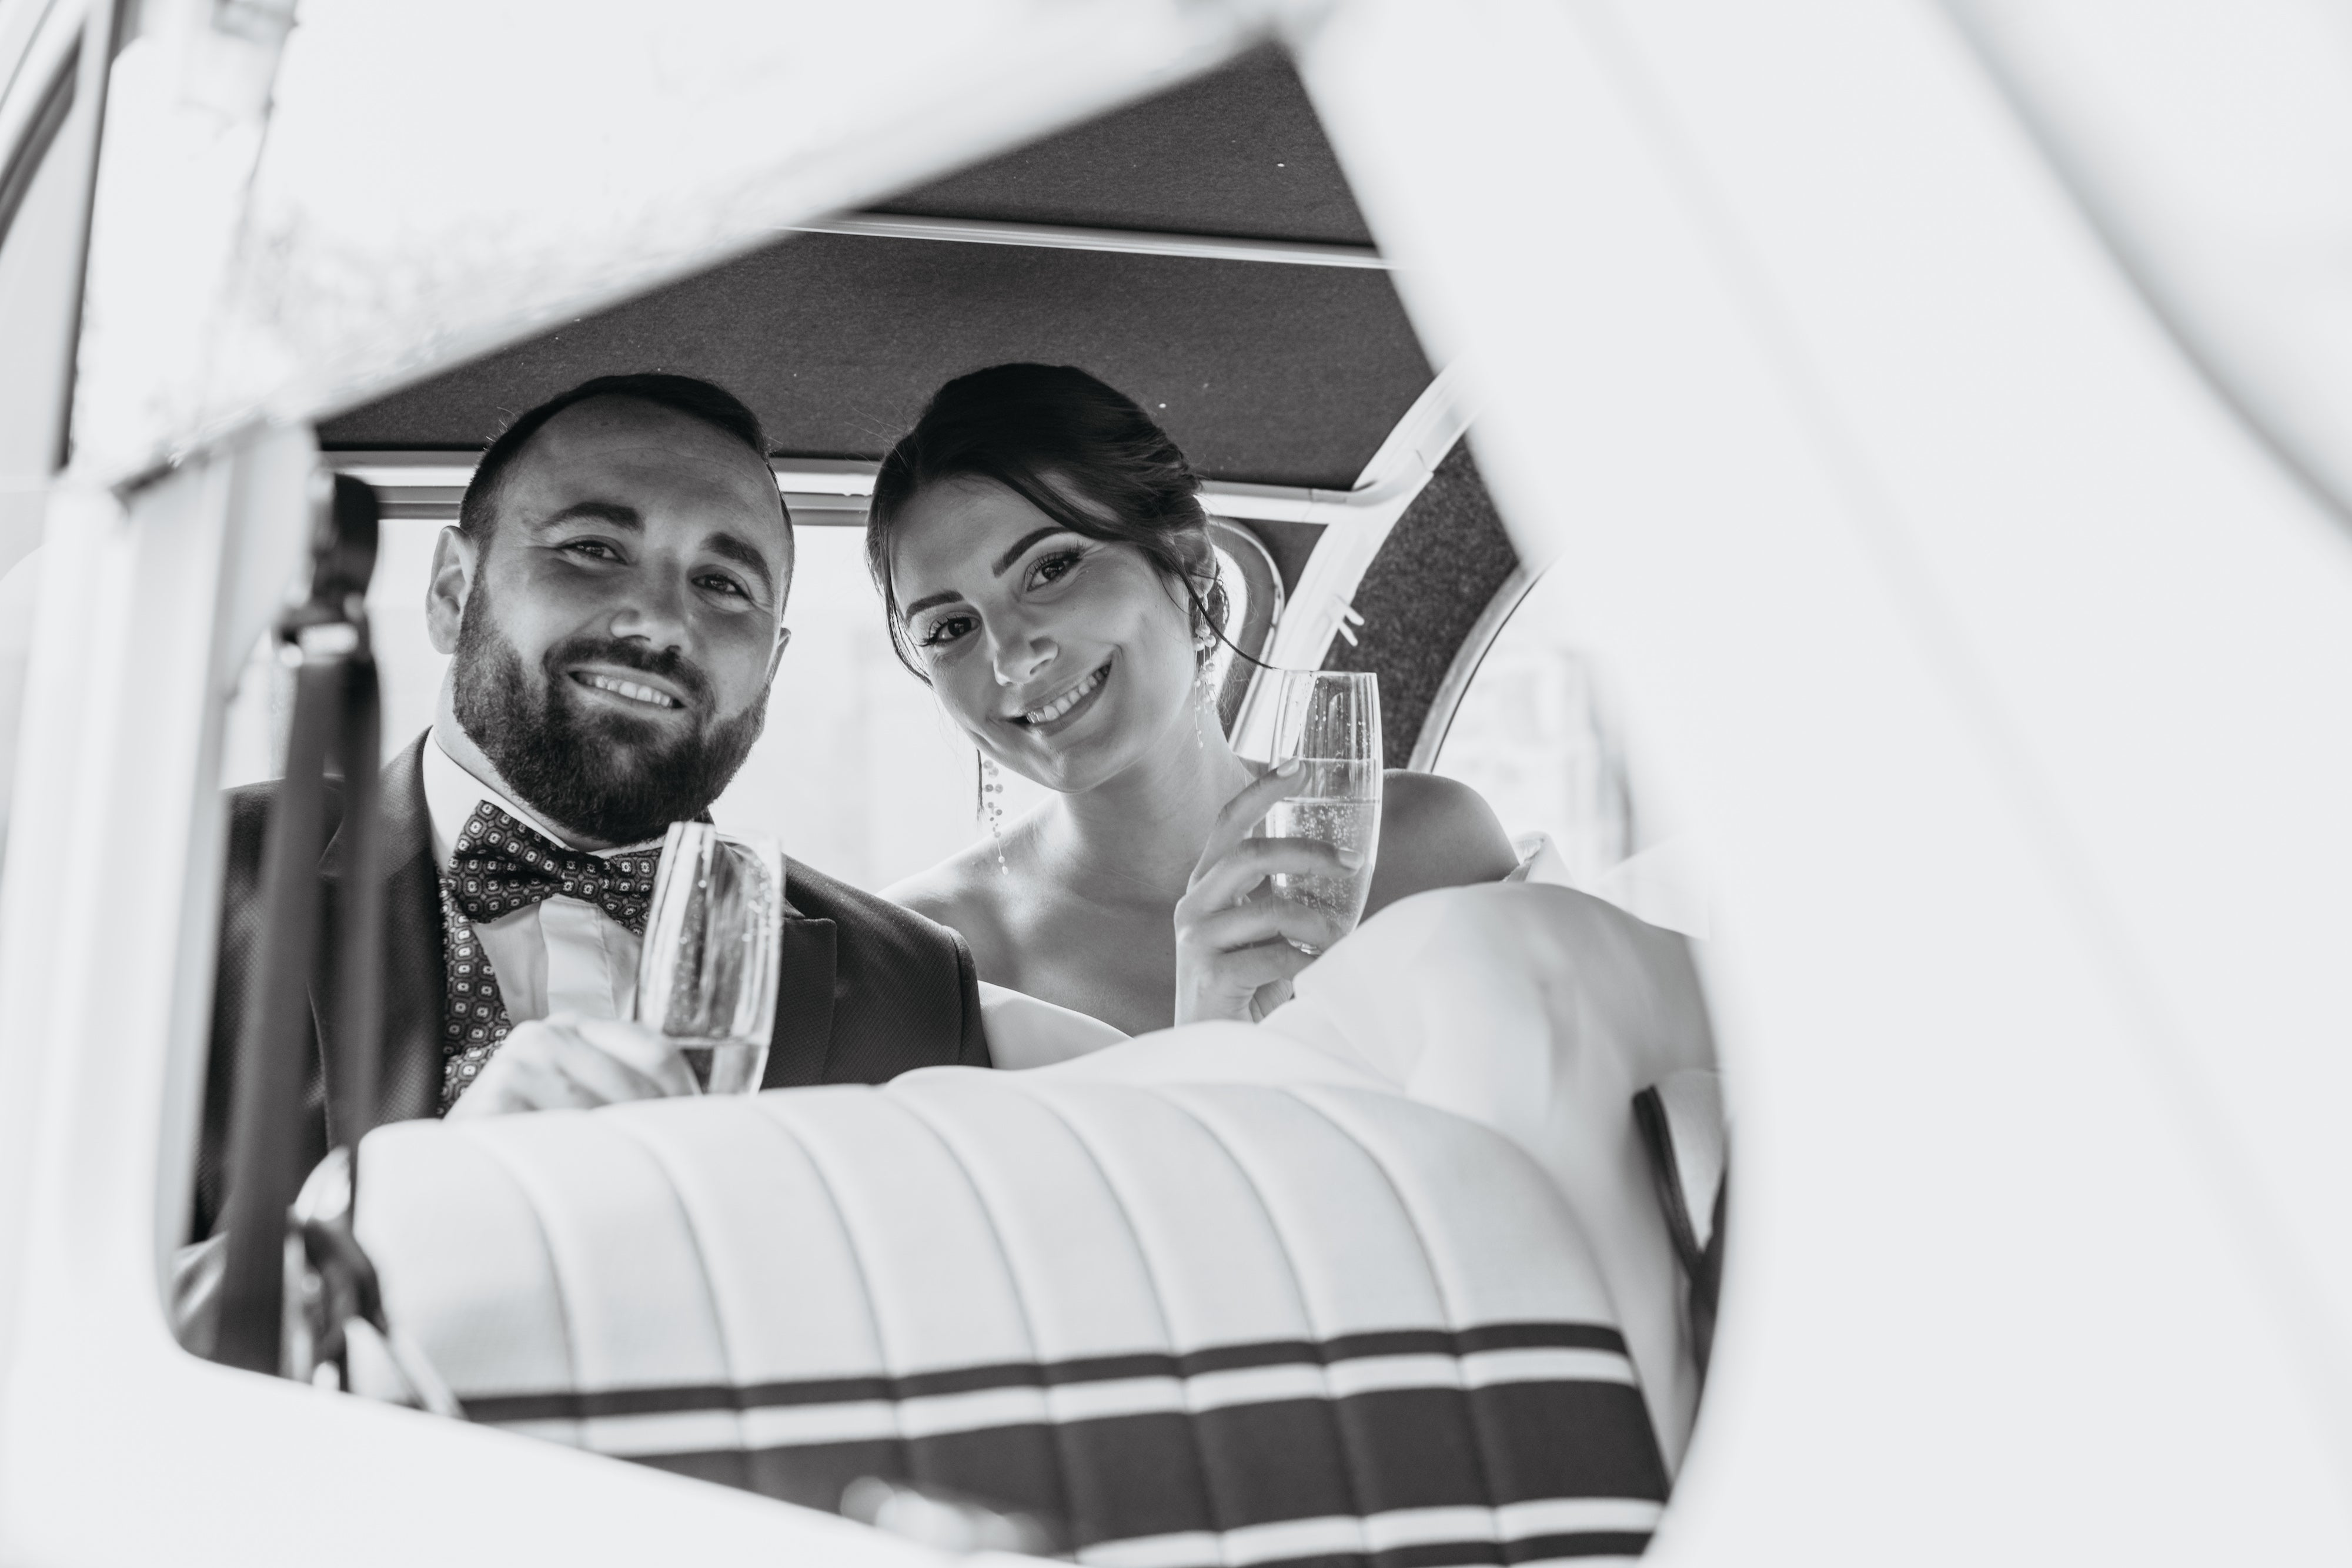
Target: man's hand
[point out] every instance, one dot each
(555, 1063)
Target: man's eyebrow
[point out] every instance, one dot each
(611, 512)
(1004, 562)
(743, 555)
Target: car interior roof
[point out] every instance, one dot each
(1238, 152)
(1264, 372)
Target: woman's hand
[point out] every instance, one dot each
(1230, 943)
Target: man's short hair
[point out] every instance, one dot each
(714, 405)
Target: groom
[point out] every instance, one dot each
(613, 596)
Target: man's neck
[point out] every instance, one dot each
(451, 737)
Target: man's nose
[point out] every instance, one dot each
(654, 611)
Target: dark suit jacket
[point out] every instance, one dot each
(868, 990)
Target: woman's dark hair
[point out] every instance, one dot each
(1085, 455)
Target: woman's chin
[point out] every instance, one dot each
(1075, 763)
(1093, 747)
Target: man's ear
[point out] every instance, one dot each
(455, 557)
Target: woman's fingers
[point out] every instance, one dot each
(1225, 956)
(1245, 810)
(1248, 925)
(1252, 860)
(1229, 945)
(1262, 966)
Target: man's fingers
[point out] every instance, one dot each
(651, 1055)
(601, 1073)
(1254, 860)
(520, 1083)
(1245, 810)
(551, 1064)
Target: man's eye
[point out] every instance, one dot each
(1054, 566)
(596, 549)
(945, 630)
(719, 584)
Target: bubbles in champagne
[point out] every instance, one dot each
(1338, 803)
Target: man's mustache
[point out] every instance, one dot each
(669, 662)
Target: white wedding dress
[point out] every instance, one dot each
(1531, 1008)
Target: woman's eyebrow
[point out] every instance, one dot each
(1004, 562)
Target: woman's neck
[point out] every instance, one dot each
(1138, 836)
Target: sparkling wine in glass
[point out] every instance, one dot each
(1329, 722)
(707, 974)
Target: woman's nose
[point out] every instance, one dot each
(1020, 654)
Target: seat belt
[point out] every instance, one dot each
(324, 638)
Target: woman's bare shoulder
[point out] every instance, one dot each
(1435, 833)
(965, 894)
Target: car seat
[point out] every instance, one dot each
(1188, 1323)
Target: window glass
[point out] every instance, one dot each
(1531, 734)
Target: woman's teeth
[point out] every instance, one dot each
(631, 690)
(1066, 701)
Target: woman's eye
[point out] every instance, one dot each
(1054, 566)
(945, 630)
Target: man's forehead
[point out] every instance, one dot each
(666, 468)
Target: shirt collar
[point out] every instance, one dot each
(451, 794)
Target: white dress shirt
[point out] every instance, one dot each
(561, 956)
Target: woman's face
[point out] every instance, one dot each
(1065, 658)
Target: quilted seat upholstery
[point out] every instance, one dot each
(1238, 1323)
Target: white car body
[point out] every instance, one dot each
(1956, 471)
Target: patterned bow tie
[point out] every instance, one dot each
(499, 866)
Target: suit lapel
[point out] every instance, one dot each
(803, 1038)
(408, 1083)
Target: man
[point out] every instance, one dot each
(612, 597)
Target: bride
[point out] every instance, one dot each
(1045, 566)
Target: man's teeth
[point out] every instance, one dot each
(1066, 701)
(631, 690)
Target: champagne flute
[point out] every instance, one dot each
(1329, 721)
(707, 974)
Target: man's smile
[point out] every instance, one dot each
(635, 691)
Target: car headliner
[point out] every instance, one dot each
(1271, 373)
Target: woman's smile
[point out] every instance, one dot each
(1047, 718)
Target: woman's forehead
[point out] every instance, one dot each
(955, 528)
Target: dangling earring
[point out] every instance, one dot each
(1204, 689)
(992, 806)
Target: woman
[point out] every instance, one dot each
(1046, 564)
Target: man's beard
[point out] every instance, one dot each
(605, 776)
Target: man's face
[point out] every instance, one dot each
(619, 628)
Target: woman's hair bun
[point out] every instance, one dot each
(1079, 451)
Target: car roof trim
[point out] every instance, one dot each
(1121, 242)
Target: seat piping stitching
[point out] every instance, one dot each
(1012, 1279)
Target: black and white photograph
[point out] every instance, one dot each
(1175, 783)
